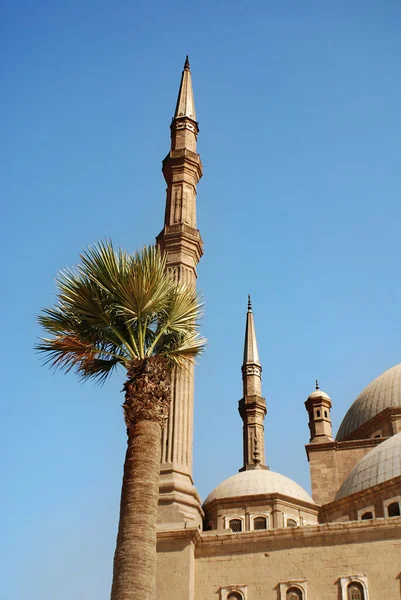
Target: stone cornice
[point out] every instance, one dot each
(343, 445)
(181, 237)
(252, 401)
(257, 498)
(180, 159)
(192, 534)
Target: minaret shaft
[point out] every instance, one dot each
(182, 169)
(252, 407)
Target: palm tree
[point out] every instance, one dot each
(117, 309)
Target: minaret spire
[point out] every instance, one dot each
(182, 167)
(180, 239)
(251, 355)
(252, 407)
(185, 102)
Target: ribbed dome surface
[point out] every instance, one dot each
(382, 392)
(258, 481)
(380, 464)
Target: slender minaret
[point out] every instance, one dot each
(179, 502)
(252, 407)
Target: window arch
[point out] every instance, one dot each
(355, 591)
(260, 523)
(235, 525)
(291, 523)
(294, 593)
(367, 515)
(233, 592)
(393, 509)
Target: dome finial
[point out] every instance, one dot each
(317, 384)
(249, 302)
(186, 65)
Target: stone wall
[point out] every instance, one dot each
(318, 556)
(331, 463)
(205, 566)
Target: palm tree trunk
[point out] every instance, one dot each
(134, 574)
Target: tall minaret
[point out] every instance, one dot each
(252, 407)
(179, 502)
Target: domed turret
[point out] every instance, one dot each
(318, 406)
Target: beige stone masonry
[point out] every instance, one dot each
(319, 555)
(331, 462)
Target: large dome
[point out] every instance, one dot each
(380, 464)
(255, 482)
(381, 393)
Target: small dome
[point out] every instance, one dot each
(380, 464)
(255, 482)
(318, 394)
(382, 392)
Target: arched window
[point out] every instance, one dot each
(393, 509)
(367, 515)
(292, 523)
(355, 591)
(318, 413)
(260, 523)
(235, 596)
(294, 593)
(235, 525)
(325, 413)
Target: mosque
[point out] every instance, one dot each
(259, 535)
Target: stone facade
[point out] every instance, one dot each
(261, 564)
(330, 464)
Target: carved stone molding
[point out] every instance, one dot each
(298, 584)
(345, 582)
(234, 592)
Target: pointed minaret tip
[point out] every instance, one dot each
(317, 384)
(251, 354)
(185, 106)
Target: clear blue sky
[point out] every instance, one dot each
(300, 137)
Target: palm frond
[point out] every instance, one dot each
(116, 307)
(68, 352)
(146, 287)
